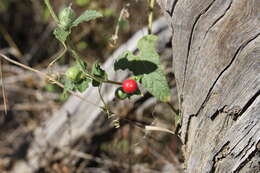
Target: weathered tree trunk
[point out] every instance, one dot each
(216, 61)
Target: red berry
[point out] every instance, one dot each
(129, 86)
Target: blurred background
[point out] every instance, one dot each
(26, 36)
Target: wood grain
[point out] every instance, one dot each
(216, 61)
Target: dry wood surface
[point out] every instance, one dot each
(216, 61)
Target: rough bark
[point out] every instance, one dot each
(216, 61)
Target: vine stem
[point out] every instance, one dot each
(3, 89)
(150, 15)
(74, 52)
(47, 2)
(148, 128)
(47, 77)
(102, 80)
(59, 55)
(122, 12)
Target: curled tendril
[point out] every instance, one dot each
(116, 123)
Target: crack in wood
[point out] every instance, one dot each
(187, 128)
(250, 102)
(173, 7)
(241, 139)
(246, 148)
(218, 19)
(218, 156)
(240, 48)
(245, 162)
(190, 40)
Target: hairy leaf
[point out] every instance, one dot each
(86, 16)
(146, 65)
(61, 34)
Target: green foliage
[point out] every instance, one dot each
(86, 16)
(82, 86)
(146, 65)
(68, 86)
(98, 72)
(66, 18)
(51, 88)
(75, 77)
(61, 34)
(74, 73)
(120, 94)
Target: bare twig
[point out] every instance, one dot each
(47, 77)
(3, 89)
(59, 55)
(29, 106)
(160, 129)
(150, 16)
(123, 13)
(47, 2)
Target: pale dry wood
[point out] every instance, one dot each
(216, 61)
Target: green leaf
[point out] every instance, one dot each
(66, 18)
(86, 16)
(98, 72)
(74, 73)
(83, 85)
(61, 34)
(68, 86)
(146, 65)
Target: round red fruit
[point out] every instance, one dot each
(129, 86)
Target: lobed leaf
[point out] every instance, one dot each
(147, 66)
(61, 34)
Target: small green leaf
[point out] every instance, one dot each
(147, 66)
(66, 18)
(83, 85)
(86, 16)
(61, 34)
(68, 86)
(74, 73)
(97, 71)
(120, 94)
